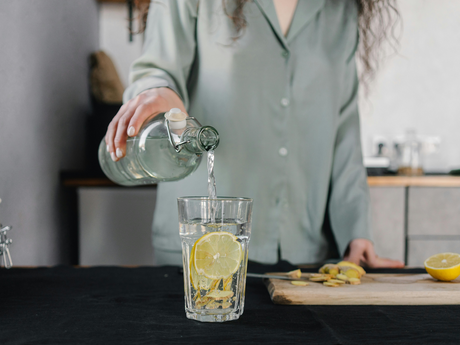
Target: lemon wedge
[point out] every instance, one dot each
(444, 266)
(198, 281)
(217, 255)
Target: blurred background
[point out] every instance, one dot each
(63, 211)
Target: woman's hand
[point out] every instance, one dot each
(134, 113)
(361, 252)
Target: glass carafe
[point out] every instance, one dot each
(410, 155)
(168, 148)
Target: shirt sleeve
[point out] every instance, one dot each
(349, 202)
(169, 49)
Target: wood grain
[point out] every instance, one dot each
(416, 181)
(88, 182)
(375, 289)
(98, 182)
(373, 181)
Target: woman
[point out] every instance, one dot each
(277, 79)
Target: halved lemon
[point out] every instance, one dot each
(198, 281)
(217, 255)
(444, 266)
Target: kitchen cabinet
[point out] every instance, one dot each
(109, 235)
(433, 222)
(420, 250)
(115, 225)
(413, 218)
(434, 211)
(387, 207)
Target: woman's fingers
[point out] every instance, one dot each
(362, 251)
(117, 139)
(131, 119)
(134, 113)
(385, 263)
(112, 129)
(118, 133)
(372, 260)
(142, 113)
(354, 256)
(356, 250)
(121, 135)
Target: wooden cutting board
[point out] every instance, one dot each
(375, 289)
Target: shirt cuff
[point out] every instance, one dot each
(147, 83)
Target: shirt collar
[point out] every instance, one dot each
(306, 10)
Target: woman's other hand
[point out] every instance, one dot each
(134, 113)
(361, 252)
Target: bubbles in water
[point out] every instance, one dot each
(211, 178)
(212, 185)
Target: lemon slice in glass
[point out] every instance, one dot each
(217, 255)
(198, 281)
(444, 266)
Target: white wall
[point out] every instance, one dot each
(417, 88)
(44, 99)
(114, 38)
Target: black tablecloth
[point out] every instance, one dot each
(114, 305)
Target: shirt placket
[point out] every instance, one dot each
(285, 108)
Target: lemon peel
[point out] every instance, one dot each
(443, 266)
(217, 255)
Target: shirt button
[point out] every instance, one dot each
(283, 152)
(285, 53)
(285, 102)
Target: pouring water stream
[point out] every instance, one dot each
(212, 185)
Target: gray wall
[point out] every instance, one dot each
(109, 235)
(44, 46)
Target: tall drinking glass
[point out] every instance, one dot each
(215, 236)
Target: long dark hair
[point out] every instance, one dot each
(377, 23)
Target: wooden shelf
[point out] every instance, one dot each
(373, 181)
(416, 181)
(97, 182)
(88, 182)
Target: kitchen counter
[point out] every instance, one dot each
(401, 208)
(415, 181)
(145, 305)
(81, 179)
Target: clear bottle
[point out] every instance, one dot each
(168, 148)
(410, 155)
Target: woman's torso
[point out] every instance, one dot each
(275, 102)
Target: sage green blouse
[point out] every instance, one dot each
(285, 108)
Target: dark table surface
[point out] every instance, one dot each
(145, 305)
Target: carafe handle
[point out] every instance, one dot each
(178, 147)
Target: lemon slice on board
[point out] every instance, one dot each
(198, 281)
(444, 266)
(217, 255)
